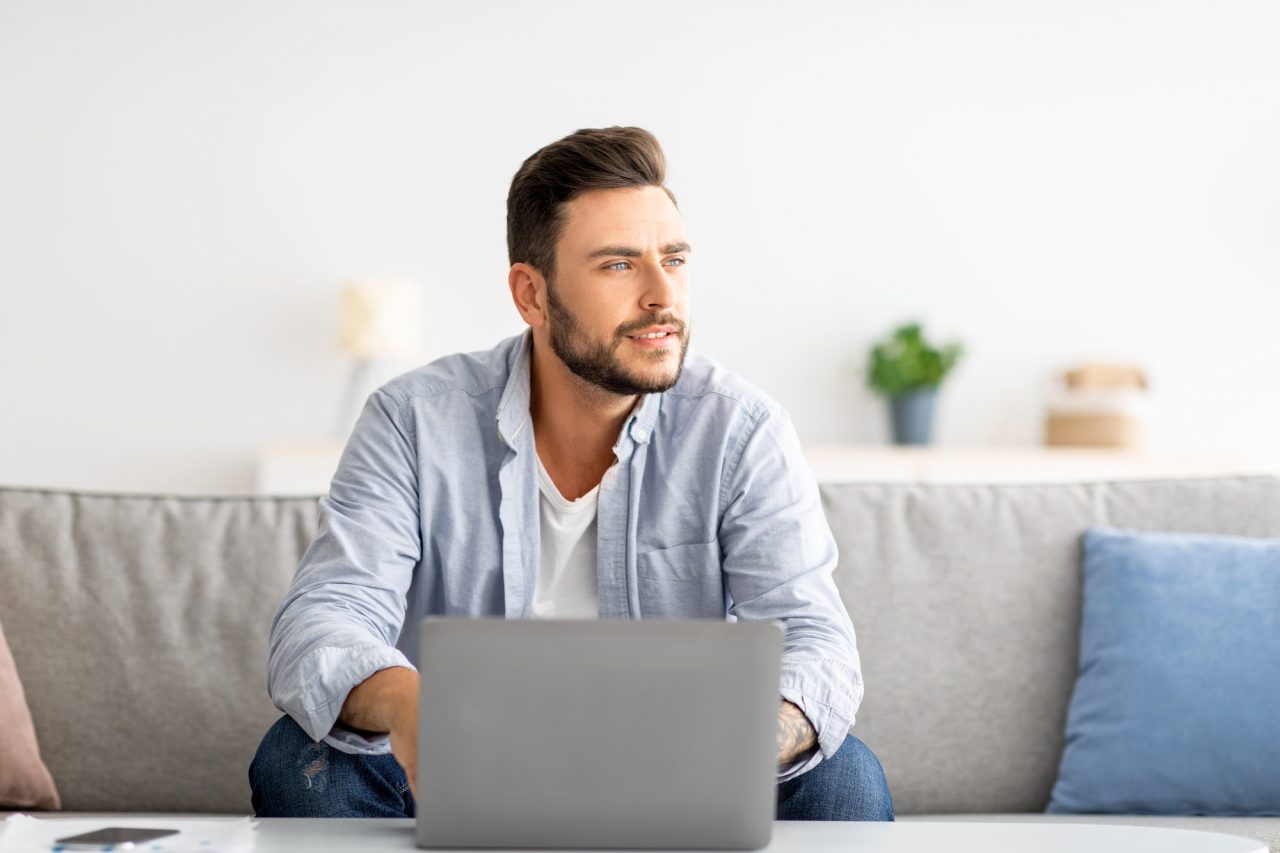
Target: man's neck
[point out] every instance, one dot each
(575, 424)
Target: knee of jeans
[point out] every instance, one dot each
(282, 742)
(860, 762)
(288, 773)
(858, 757)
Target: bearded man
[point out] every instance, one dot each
(592, 467)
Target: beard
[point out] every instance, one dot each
(597, 362)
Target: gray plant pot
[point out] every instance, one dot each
(911, 415)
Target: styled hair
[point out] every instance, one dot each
(589, 159)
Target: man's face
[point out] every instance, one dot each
(618, 308)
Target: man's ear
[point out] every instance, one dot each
(529, 293)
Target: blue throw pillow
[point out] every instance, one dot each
(1176, 709)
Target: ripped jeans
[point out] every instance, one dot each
(293, 776)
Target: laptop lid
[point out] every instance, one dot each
(597, 733)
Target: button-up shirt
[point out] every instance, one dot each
(709, 511)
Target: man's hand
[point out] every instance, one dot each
(387, 702)
(795, 733)
(404, 741)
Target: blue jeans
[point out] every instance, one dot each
(292, 776)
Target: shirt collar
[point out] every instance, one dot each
(513, 408)
(643, 418)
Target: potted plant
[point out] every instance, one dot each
(906, 369)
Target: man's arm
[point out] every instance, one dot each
(777, 554)
(340, 618)
(387, 703)
(795, 734)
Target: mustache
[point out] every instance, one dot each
(653, 320)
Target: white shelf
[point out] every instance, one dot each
(307, 468)
(896, 464)
(300, 468)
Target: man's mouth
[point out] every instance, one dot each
(655, 332)
(655, 338)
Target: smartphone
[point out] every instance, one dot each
(112, 836)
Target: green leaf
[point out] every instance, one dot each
(906, 362)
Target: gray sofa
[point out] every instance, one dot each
(138, 625)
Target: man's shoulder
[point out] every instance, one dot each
(471, 373)
(704, 381)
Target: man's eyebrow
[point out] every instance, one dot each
(615, 251)
(630, 252)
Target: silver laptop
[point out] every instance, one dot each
(599, 734)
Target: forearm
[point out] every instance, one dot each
(796, 735)
(387, 701)
(381, 700)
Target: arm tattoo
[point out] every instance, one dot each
(795, 733)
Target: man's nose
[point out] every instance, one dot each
(660, 290)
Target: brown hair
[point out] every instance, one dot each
(589, 159)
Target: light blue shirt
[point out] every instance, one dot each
(710, 511)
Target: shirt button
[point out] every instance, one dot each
(642, 435)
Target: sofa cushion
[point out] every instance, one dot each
(24, 780)
(966, 601)
(1172, 712)
(139, 624)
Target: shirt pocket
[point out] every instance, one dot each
(681, 582)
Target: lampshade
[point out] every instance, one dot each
(382, 318)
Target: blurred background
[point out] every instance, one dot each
(187, 188)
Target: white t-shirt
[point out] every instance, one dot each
(566, 586)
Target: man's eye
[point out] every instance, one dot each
(617, 265)
(678, 261)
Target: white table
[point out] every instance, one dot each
(296, 835)
(292, 835)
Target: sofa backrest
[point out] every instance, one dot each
(966, 601)
(138, 625)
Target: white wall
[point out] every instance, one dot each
(185, 186)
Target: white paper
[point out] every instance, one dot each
(25, 834)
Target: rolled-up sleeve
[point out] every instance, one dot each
(341, 616)
(778, 555)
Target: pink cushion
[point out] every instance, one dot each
(24, 780)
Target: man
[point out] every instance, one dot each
(592, 466)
